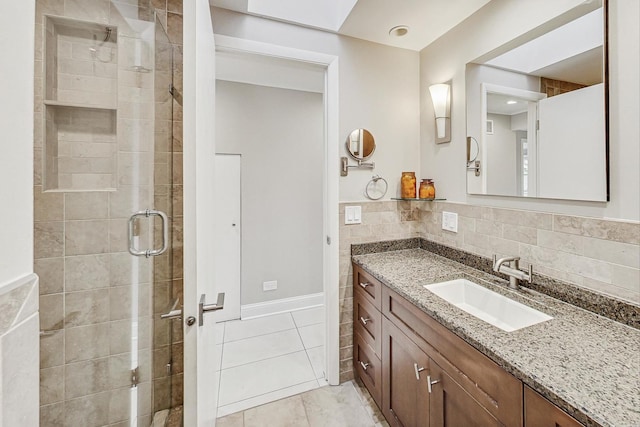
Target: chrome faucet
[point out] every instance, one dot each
(512, 270)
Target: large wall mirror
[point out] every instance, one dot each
(538, 109)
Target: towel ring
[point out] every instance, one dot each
(373, 184)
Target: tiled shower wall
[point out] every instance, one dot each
(95, 297)
(167, 368)
(597, 254)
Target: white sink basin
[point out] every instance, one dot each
(487, 305)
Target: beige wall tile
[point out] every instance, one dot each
(86, 272)
(51, 388)
(614, 252)
(119, 404)
(86, 307)
(52, 415)
(612, 289)
(51, 312)
(86, 342)
(490, 228)
(539, 220)
(626, 277)
(86, 205)
(48, 239)
(526, 235)
(51, 274)
(625, 232)
(561, 241)
(52, 349)
(86, 237)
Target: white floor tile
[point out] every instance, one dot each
(312, 335)
(241, 329)
(220, 332)
(309, 316)
(218, 362)
(266, 398)
(316, 355)
(258, 378)
(262, 347)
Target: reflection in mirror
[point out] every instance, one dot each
(360, 144)
(538, 111)
(473, 149)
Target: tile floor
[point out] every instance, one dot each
(346, 405)
(269, 358)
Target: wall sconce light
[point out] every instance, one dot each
(441, 98)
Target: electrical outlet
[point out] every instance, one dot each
(450, 221)
(270, 286)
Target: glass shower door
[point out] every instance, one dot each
(104, 197)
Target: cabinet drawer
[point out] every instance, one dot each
(493, 387)
(368, 368)
(539, 412)
(367, 321)
(371, 287)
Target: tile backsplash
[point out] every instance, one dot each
(597, 254)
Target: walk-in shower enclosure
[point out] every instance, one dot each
(108, 135)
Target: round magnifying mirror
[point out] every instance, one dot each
(360, 144)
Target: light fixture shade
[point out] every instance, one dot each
(440, 94)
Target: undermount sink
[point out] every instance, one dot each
(487, 305)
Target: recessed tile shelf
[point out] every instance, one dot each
(80, 116)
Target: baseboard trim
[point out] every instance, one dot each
(285, 305)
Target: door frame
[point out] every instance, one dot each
(330, 277)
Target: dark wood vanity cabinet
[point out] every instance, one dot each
(429, 376)
(405, 397)
(539, 412)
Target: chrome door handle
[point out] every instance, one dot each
(165, 233)
(431, 383)
(205, 308)
(418, 370)
(364, 321)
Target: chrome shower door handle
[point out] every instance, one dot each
(205, 308)
(165, 233)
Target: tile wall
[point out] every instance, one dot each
(96, 300)
(601, 255)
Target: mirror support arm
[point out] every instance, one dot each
(344, 170)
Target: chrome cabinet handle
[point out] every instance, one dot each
(165, 234)
(418, 370)
(205, 308)
(431, 383)
(364, 285)
(364, 321)
(364, 365)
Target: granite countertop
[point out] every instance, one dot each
(587, 364)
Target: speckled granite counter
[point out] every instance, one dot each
(586, 364)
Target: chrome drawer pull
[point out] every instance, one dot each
(430, 383)
(364, 285)
(418, 370)
(364, 365)
(364, 321)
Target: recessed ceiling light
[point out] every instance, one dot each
(511, 102)
(399, 31)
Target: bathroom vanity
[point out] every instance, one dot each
(428, 363)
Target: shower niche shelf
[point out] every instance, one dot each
(81, 63)
(80, 99)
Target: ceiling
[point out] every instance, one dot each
(366, 19)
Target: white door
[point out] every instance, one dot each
(228, 233)
(200, 382)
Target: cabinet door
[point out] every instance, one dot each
(539, 412)
(452, 406)
(405, 394)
